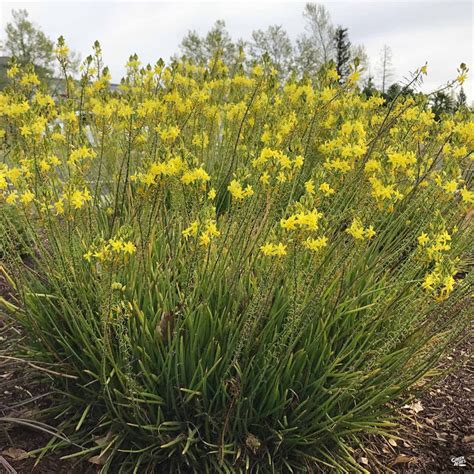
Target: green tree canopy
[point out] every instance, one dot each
(28, 44)
(276, 43)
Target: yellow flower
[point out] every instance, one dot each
(58, 207)
(467, 196)
(29, 78)
(315, 244)
(62, 51)
(79, 198)
(280, 250)
(450, 186)
(129, 247)
(298, 163)
(169, 134)
(27, 197)
(290, 223)
(25, 130)
(237, 192)
(326, 189)
(12, 197)
(13, 71)
(117, 245)
(274, 250)
(192, 230)
(356, 229)
(309, 186)
(370, 232)
(211, 194)
(204, 239)
(211, 229)
(265, 178)
(431, 279)
(197, 174)
(423, 239)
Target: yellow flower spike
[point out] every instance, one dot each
(211, 194)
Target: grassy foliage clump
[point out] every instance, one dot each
(232, 272)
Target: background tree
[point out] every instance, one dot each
(442, 103)
(461, 99)
(385, 67)
(217, 41)
(369, 88)
(276, 43)
(28, 44)
(316, 46)
(343, 53)
(358, 51)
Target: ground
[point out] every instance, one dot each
(436, 430)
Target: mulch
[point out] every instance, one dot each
(436, 433)
(436, 430)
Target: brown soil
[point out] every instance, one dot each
(436, 433)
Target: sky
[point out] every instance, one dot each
(417, 31)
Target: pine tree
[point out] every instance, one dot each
(343, 53)
(461, 99)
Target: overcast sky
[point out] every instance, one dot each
(439, 32)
